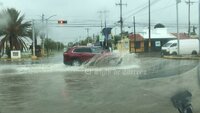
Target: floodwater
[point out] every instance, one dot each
(137, 85)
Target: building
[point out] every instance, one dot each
(159, 36)
(181, 35)
(123, 45)
(136, 43)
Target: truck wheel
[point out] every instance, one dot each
(194, 53)
(174, 53)
(76, 62)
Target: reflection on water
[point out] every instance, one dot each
(14, 92)
(29, 93)
(77, 92)
(77, 82)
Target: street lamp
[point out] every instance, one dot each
(47, 19)
(47, 32)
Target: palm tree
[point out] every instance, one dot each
(14, 31)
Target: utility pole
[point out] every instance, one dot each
(149, 44)
(105, 12)
(134, 33)
(79, 40)
(177, 21)
(105, 22)
(101, 15)
(189, 5)
(198, 69)
(199, 26)
(87, 29)
(33, 35)
(42, 18)
(43, 34)
(106, 39)
(121, 18)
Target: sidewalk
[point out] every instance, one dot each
(158, 55)
(183, 57)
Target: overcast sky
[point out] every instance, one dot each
(86, 12)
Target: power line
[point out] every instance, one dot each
(143, 8)
(101, 15)
(131, 11)
(140, 9)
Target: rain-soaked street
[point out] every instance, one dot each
(138, 85)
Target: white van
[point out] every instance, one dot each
(186, 46)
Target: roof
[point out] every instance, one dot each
(181, 35)
(137, 38)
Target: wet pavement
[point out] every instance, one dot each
(51, 59)
(144, 86)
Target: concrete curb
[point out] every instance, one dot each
(21, 59)
(182, 57)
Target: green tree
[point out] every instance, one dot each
(98, 37)
(70, 44)
(14, 30)
(159, 25)
(50, 45)
(194, 31)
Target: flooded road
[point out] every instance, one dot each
(51, 87)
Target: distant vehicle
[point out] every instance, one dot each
(75, 56)
(186, 46)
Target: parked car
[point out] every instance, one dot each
(186, 46)
(75, 56)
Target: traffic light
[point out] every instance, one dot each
(62, 22)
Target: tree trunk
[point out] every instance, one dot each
(8, 50)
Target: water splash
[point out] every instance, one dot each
(114, 60)
(109, 62)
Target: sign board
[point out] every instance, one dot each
(15, 54)
(89, 44)
(126, 45)
(157, 44)
(101, 38)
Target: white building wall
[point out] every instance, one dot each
(157, 33)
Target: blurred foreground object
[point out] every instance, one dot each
(182, 101)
